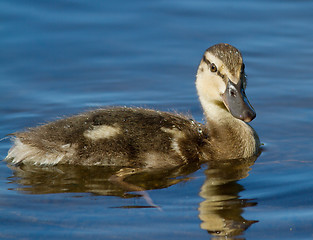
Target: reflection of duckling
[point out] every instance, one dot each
(222, 208)
(143, 138)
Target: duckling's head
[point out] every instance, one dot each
(221, 82)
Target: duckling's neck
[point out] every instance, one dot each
(230, 137)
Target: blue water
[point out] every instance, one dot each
(59, 58)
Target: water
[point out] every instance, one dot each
(62, 57)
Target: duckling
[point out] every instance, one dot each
(138, 138)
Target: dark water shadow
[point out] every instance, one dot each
(32, 179)
(220, 211)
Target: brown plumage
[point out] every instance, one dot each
(142, 132)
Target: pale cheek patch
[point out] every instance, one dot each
(210, 87)
(102, 132)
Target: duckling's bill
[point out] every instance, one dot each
(236, 101)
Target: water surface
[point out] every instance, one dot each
(63, 57)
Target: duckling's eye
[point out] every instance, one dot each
(213, 68)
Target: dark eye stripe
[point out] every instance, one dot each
(217, 72)
(206, 60)
(221, 75)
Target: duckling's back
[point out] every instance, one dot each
(128, 137)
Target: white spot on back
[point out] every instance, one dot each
(176, 136)
(102, 132)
